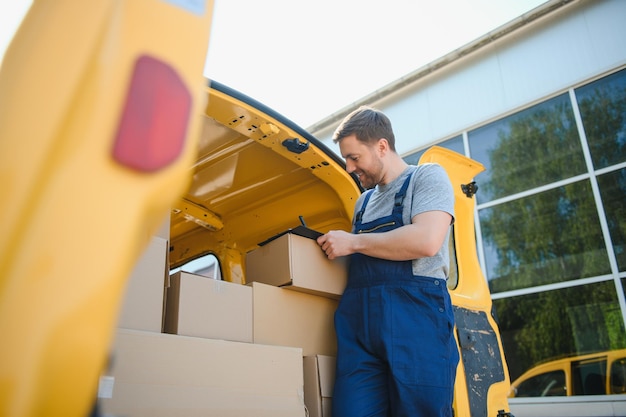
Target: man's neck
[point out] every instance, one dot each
(396, 166)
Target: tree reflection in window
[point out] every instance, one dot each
(602, 107)
(534, 147)
(549, 237)
(613, 191)
(560, 323)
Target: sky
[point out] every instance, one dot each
(309, 59)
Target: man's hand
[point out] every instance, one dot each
(420, 239)
(337, 243)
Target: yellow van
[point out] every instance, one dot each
(598, 373)
(113, 144)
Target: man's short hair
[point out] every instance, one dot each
(368, 125)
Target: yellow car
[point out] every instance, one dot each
(592, 374)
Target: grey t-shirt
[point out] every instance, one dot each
(430, 189)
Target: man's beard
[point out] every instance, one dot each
(369, 180)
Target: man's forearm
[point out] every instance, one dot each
(420, 239)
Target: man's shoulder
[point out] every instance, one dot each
(428, 171)
(426, 167)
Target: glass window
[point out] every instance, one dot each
(602, 107)
(589, 377)
(455, 144)
(549, 237)
(534, 147)
(414, 158)
(207, 266)
(612, 190)
(549, 384)
(544, 326)
(618, 376)
(555, 236)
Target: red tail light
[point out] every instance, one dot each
(154, 122)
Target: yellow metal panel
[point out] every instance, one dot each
(263, 129)
(253, 186)
(472, 290)
(73, 221)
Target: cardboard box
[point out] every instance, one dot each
(163, 375)
(298, 263)
(290, 318)
(204, 307)
(319, 381)
(142, 307)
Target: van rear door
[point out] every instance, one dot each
(482, 381)
(100, 103)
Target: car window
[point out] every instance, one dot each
(589, 377)
(618, 376)
(549, 384)
(206, 265)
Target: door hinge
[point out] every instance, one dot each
(469, 189)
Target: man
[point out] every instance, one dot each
(396, 353)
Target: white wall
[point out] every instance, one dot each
(567, 47)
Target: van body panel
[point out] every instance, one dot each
(74, 219)
(482, 380)
(248, 186)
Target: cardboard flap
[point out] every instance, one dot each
(299, 230)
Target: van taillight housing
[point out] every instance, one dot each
(153, 125)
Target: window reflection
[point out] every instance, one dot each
(612, 190)
(598, 373)
(455, 144)
(547, 384)
(589, 376)
(539, 330)
(545, 238)
(618, 376)
(566, 341)
(602, 107)
(534, 147)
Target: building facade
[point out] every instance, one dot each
(541, 103)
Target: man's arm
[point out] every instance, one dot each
(420, 239)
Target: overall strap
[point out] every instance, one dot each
(359, 214)
(399, 198)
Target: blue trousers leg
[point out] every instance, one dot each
(396, 352)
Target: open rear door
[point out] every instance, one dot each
(482, 381)
(100, 105)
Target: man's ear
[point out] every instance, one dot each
(382, 146)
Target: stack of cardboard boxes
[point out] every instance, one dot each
(191, 345)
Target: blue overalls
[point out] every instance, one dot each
(396, 353)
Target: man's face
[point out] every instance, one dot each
(363, 160)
